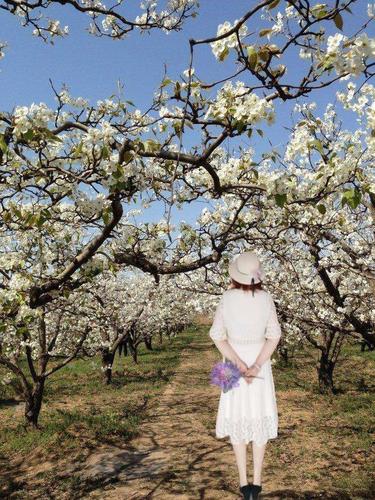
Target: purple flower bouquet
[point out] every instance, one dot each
(226, 375)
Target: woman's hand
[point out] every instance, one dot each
(250, 373)
(247, 372)
(242, 366)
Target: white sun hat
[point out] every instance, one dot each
(246, 268)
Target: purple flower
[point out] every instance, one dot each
(226, 375)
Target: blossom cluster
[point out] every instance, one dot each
(167, 18)
(235, 101)
(26, 118)
(53, 28)
(348, 57)
(362, 103)
(220, 48)
(65, 97)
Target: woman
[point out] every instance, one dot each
(246, 331)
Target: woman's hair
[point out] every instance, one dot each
(252, 287)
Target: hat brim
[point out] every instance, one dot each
(244, 279)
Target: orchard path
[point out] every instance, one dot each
(178, 455)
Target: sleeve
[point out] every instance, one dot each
(273, 329)
(218, 330)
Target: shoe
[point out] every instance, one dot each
(254, 492)
(246, 491)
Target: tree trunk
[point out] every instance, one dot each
(33, 403)
(148, 342)
(134, 351)
(122, 348)
(160, 338)
(107, 364)
(325, 374)
(364, 344)
(369, 339)
(284, 354)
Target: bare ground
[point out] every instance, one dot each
(178, 456)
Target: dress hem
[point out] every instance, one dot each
(259, 430)
(249, 439)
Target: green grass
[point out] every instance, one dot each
(335, 432)
(79, 409)
(352, 370)
(360, 484)
(317, 432)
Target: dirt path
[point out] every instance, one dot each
(179, 456)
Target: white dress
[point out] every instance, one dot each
(248, 412)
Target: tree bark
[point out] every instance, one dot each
(134, 352)
(33, 403)
(366, 345)
(325, 370)
(284, 354)
(368, 340)
(107, 364)
(148, 342)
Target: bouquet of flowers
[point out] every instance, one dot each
(226, 375)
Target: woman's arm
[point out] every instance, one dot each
(272, 335)
(266, 351)
(218, 334)
(229, 353)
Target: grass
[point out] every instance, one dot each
(317, 433)
(323, 439)
(332, 433)
(80, 412)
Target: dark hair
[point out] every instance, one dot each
(247, 288)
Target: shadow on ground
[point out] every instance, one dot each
(176, 454)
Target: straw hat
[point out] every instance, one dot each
(246, 268)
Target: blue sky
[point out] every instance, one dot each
(91, 66)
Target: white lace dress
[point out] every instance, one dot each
(248, 412)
